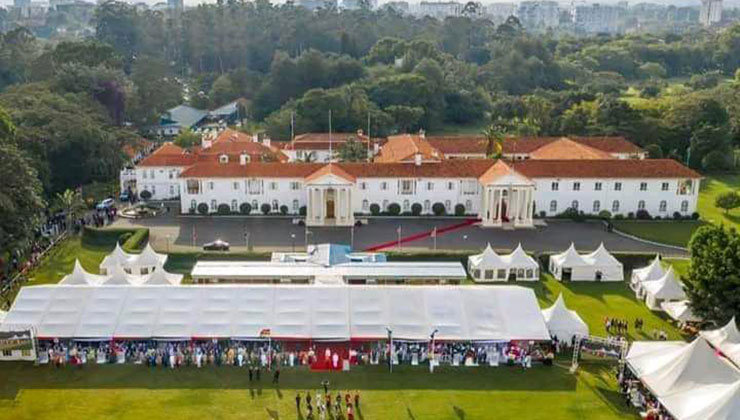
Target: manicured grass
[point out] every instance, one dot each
(137, 392)
(677, 233)
(711, 187)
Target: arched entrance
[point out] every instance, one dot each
(330, 200)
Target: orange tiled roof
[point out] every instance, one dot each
(404, 147)
(499, 169)
(476, 144)
(169, 154)
(233, 143)
(331, 169)
(566, 148)
(609, 168)
(320, 141)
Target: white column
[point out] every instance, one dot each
(499, 205)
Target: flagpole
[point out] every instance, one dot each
(435, 238)
(369, 138)
(292, 129)
(399, 238)
(331, 154)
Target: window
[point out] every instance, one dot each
(574, 205)
(143, 173)
(193, 204)
(501, 273)
(684, 206)
(555, 186)
(476, 274)
(383, 186)
(615, 206)
(406, 186)
(151, 174)
(643, 186)
(488, 274)
(641, 205)
(663, 206)
(448, 206)
(597, 186)
(7, 353)
(468, 205)
(275, 205)
(235, 185)
(363, 185)
(255, 206)
(597, 206)
(365, 205)
(210, 186)
(254, 186)
(450, 186)
(430, 186)
(664, 186)
(234, 206)
(154, 190)
(172, 190)
(617, 186)
(296, 206)
(273, 186)
(530, 273)
(295, 186)
(470, 187)
(385, 205)
(553, 206)
(576, 186)
(223, 159)
(213, 205)
(406, 205)
(171, 174)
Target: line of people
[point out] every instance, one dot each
(328, 406)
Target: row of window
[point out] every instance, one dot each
(427, 205)
(409, 186)
(598, 186)
(171, 174)
(251, 186)
(522, 273)
(275, 206)
(662, 207)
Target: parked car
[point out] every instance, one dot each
(124, 197)
(217, 245)
(106, 204)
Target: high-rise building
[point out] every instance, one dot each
(597, 18)
(538, 14)
(21, 3)
(711, 12)
(176, 5)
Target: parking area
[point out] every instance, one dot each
(171, 232)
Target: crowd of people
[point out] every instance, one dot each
(328, 406)
(636, 395)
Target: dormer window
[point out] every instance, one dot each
(223, 159)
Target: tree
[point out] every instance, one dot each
(20, 197)
(727, 201)
(71, 203)
(265, 208)
(713, 280)
(495, 135)
(187, 139)
(352, 151)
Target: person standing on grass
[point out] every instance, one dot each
(258, 373)
(276, 376)
(357, 399)
(250, 372)
(308, 398)
(298, 401)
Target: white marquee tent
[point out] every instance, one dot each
(289, 311)
(81, 277)
(726, 339)
(599, 265)
(136, 264)
(489, 266)
(665, 289)
(679, 311)
(690, 380)
(562, 322)
(654, 271)
(117, 276)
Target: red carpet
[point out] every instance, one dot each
(423, 235)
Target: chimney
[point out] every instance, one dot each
(422, 134)
(376, 148)
(417, 159)
(255, 138)
(360, 133)
(243, 158)
(266, 141)
(224, 158)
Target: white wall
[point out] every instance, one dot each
(161, 181)
(628, 198)
(226, 190)
(373, 192)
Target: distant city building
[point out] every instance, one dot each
(440, 10)
(398, 6)
(538, 14)
(317, 4)
(358, 4)
(21, 3)
(499, 12)
(177, 5)
(711, 12)
(597, 18)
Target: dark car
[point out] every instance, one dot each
(217, 245)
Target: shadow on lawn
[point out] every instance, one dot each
(17, 376)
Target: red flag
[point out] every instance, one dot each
(434, 232)
(195, 236)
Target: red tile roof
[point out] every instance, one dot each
(611, 168)
(169, 155)
(404, 147)
(476, 144)
(233, 143)
(566, 148)
(331, 169)
(320, 141)
(251, 170)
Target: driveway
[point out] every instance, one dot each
(170, 232)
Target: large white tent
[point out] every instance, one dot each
(137, 264)
(81, 277)
(679, 311)
(665, 289)
(489, 266)
(564, 323)
(653, 271)
(690, 380)
(599, 265)
(289, 311)
(726, 340)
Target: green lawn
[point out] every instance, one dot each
(662, 231)
(137, 392)
(711, 187)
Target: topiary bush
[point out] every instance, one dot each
(302, 211)
(630, 215)
(439, 209)
(223, 209)
(416, 209)
(618, 216)
(643, 215)
(374, 209)
(459, 210)
(203, 208)
(245, 208)
(605, 214)
(283, 209)
(695, 216)
(543, 214)
(265, 207)
(677, 215)
(145, 195)
(394, 209)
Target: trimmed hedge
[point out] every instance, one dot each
(374, 209)
(283, 209)
(459, 210)
(416, 209)
(130, 239)
(223, 209)
(245, 208)
(203, 208)
(394, 209)
(439, 209)
(265, 208)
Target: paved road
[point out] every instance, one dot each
(171, 232)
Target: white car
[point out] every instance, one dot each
(105, 204)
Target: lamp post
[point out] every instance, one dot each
(246, 240)
(390, 349)
(292, 237)
(432, 359)
(308, 232)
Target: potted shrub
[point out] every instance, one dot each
(145, 195)
(203, 208)
(283, 209)
(416, 209)
(459, 210)
(439, 209)
(374, 209)
(223, 209)
(302, 211)
(245, 208)
(265, 208)
(643, 215)
(394, 209)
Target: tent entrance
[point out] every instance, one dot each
(567, 274)
(512, 275)
(599, 276)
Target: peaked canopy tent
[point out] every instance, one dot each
(689, 380)
(599, 265)
(665, 289)
(337, 313)
(653, 271)
(139, 264)
(679, 311)
(564, 323)
(81, 277)
(726, 340)
(488, 266)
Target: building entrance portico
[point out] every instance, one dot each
(508, 198)
(329, 201)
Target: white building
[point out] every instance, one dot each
(440, 10)
(323, 147)
(710, 12)
(499, 12)
(328, 264)
(597, 18)
(539, 14)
